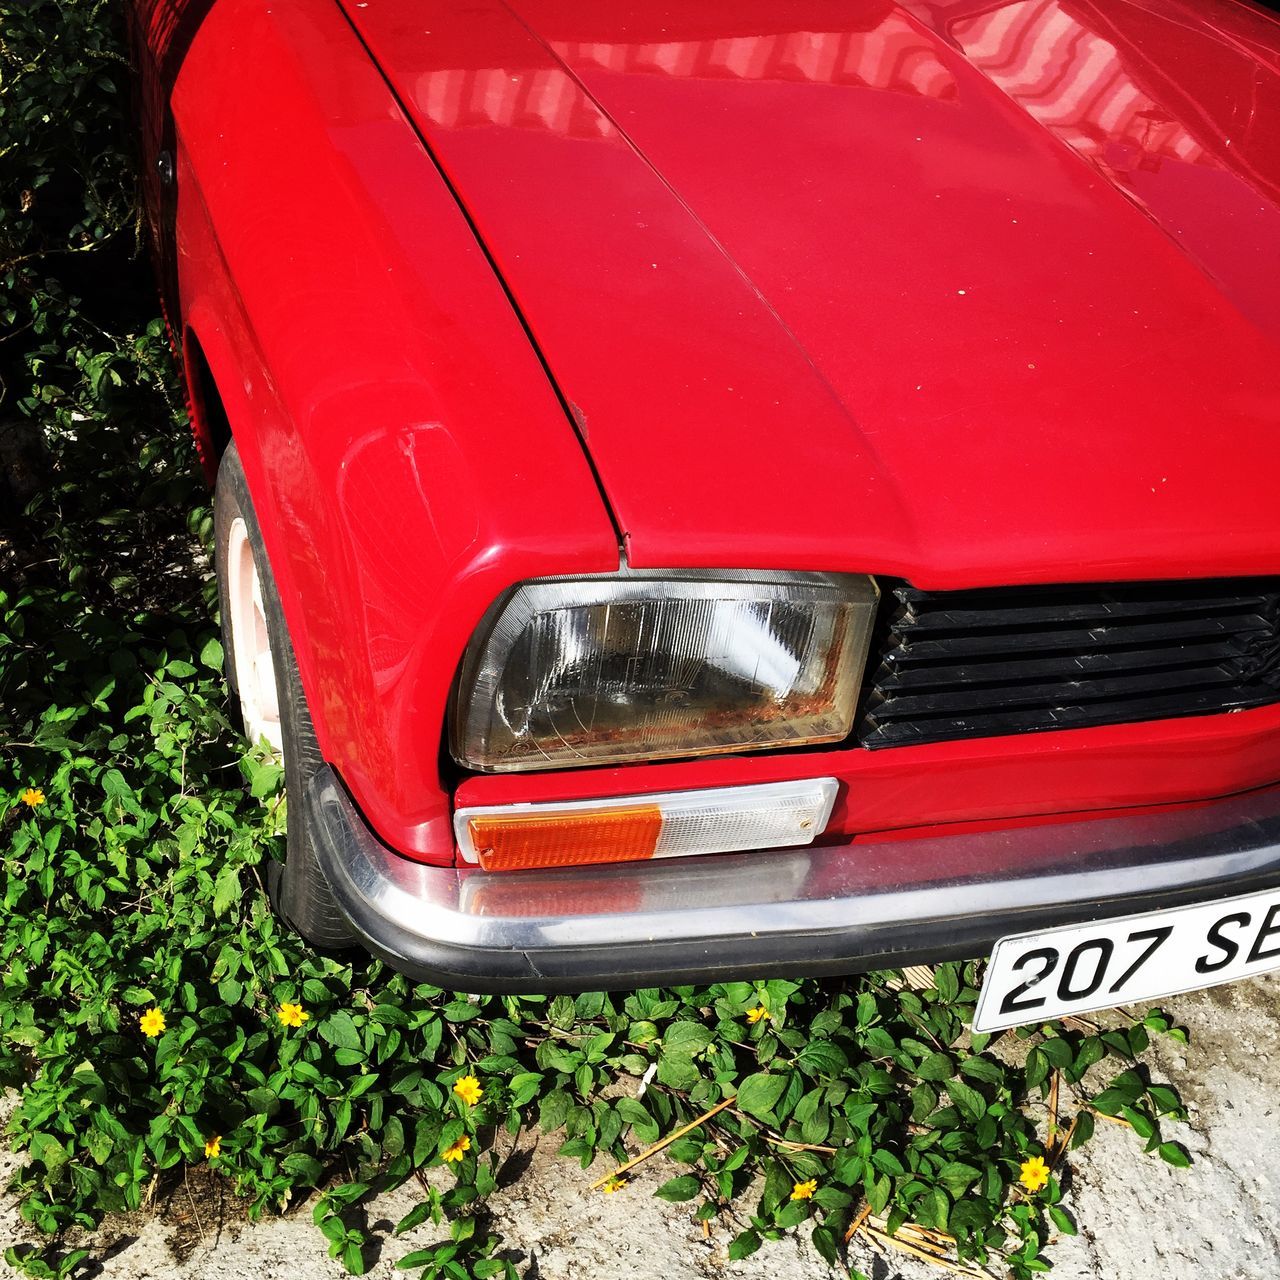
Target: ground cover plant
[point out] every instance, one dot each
(154, 1014)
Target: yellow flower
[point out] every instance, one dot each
(456, 1150)
(292, 1015)
(151, 1023)
(1035, 1174)
(613, 1184)
(32, 797)
(759, 1014)
(804, 1190)
(468, 1089)
(213, 1148)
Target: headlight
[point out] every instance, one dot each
(647, 666)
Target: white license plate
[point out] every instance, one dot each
(1034, 977)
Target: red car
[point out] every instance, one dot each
(821, 459)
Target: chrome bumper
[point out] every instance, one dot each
(879, 904)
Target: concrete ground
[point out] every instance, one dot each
(1219, 1220)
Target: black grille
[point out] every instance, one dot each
(964, 664)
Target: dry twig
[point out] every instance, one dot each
(1053, 1107)
(921, 1242)
(1064, 1145)
(664, 1142)
(863, 1214)
(1102, 1115)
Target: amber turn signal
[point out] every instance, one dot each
(512, 842)
(668, 824)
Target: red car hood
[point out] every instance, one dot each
(963, 291)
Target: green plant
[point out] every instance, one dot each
(134, 828)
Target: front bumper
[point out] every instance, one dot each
(870, 905)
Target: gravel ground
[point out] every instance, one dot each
(1216, 1221)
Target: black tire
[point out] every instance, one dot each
(299, 892)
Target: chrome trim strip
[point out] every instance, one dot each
(836, 909)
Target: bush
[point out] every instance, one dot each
(154, 1014)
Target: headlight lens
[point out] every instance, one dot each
(649, 666)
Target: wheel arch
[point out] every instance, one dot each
(218, 391)
(210, 423)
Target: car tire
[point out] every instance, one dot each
(266, 696)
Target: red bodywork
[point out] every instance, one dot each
(963, 293)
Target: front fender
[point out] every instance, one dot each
(408, 457)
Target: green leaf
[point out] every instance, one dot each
(418, 1258)
(983, 1069)
(418, 1214)
(211, 653)
(1166, 1100)
(679, 1189)
(822, 1058)
(946, 983)
(1174, 1153)
(972, 1104)
(778, 1185)
(578, 1149)
(957, 1177)
(305, 1169)
(1037, 1068)
(758, 1094)
(792, 1213)
(688, 1037)
(226, 890)
(932, 1209)
(936, 1066)
(824, 1241)
(1141, 1122)
(970, 1216)
(1058, 1051)
(1112, 1101)
(265, 778)
(562, 1012)
(1091, 1051)
(878, 1187)
(1083, 1131)
(553, 1108)
(867, 1011)
(120, 795)
(677, 1070)
(340, 1030)
(524, 1087)
(637, 1116)
(1062, 1221)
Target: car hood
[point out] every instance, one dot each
(964, 292)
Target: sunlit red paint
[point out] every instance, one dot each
(965, 293)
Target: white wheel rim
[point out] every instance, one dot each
(255, 667)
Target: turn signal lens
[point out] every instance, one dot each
(508, 843)
(673, 824)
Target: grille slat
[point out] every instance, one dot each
(928, 615)
(979, 663)
(1057, 666)
(1024, 640)
(1059, 694)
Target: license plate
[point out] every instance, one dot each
(1035, 977)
